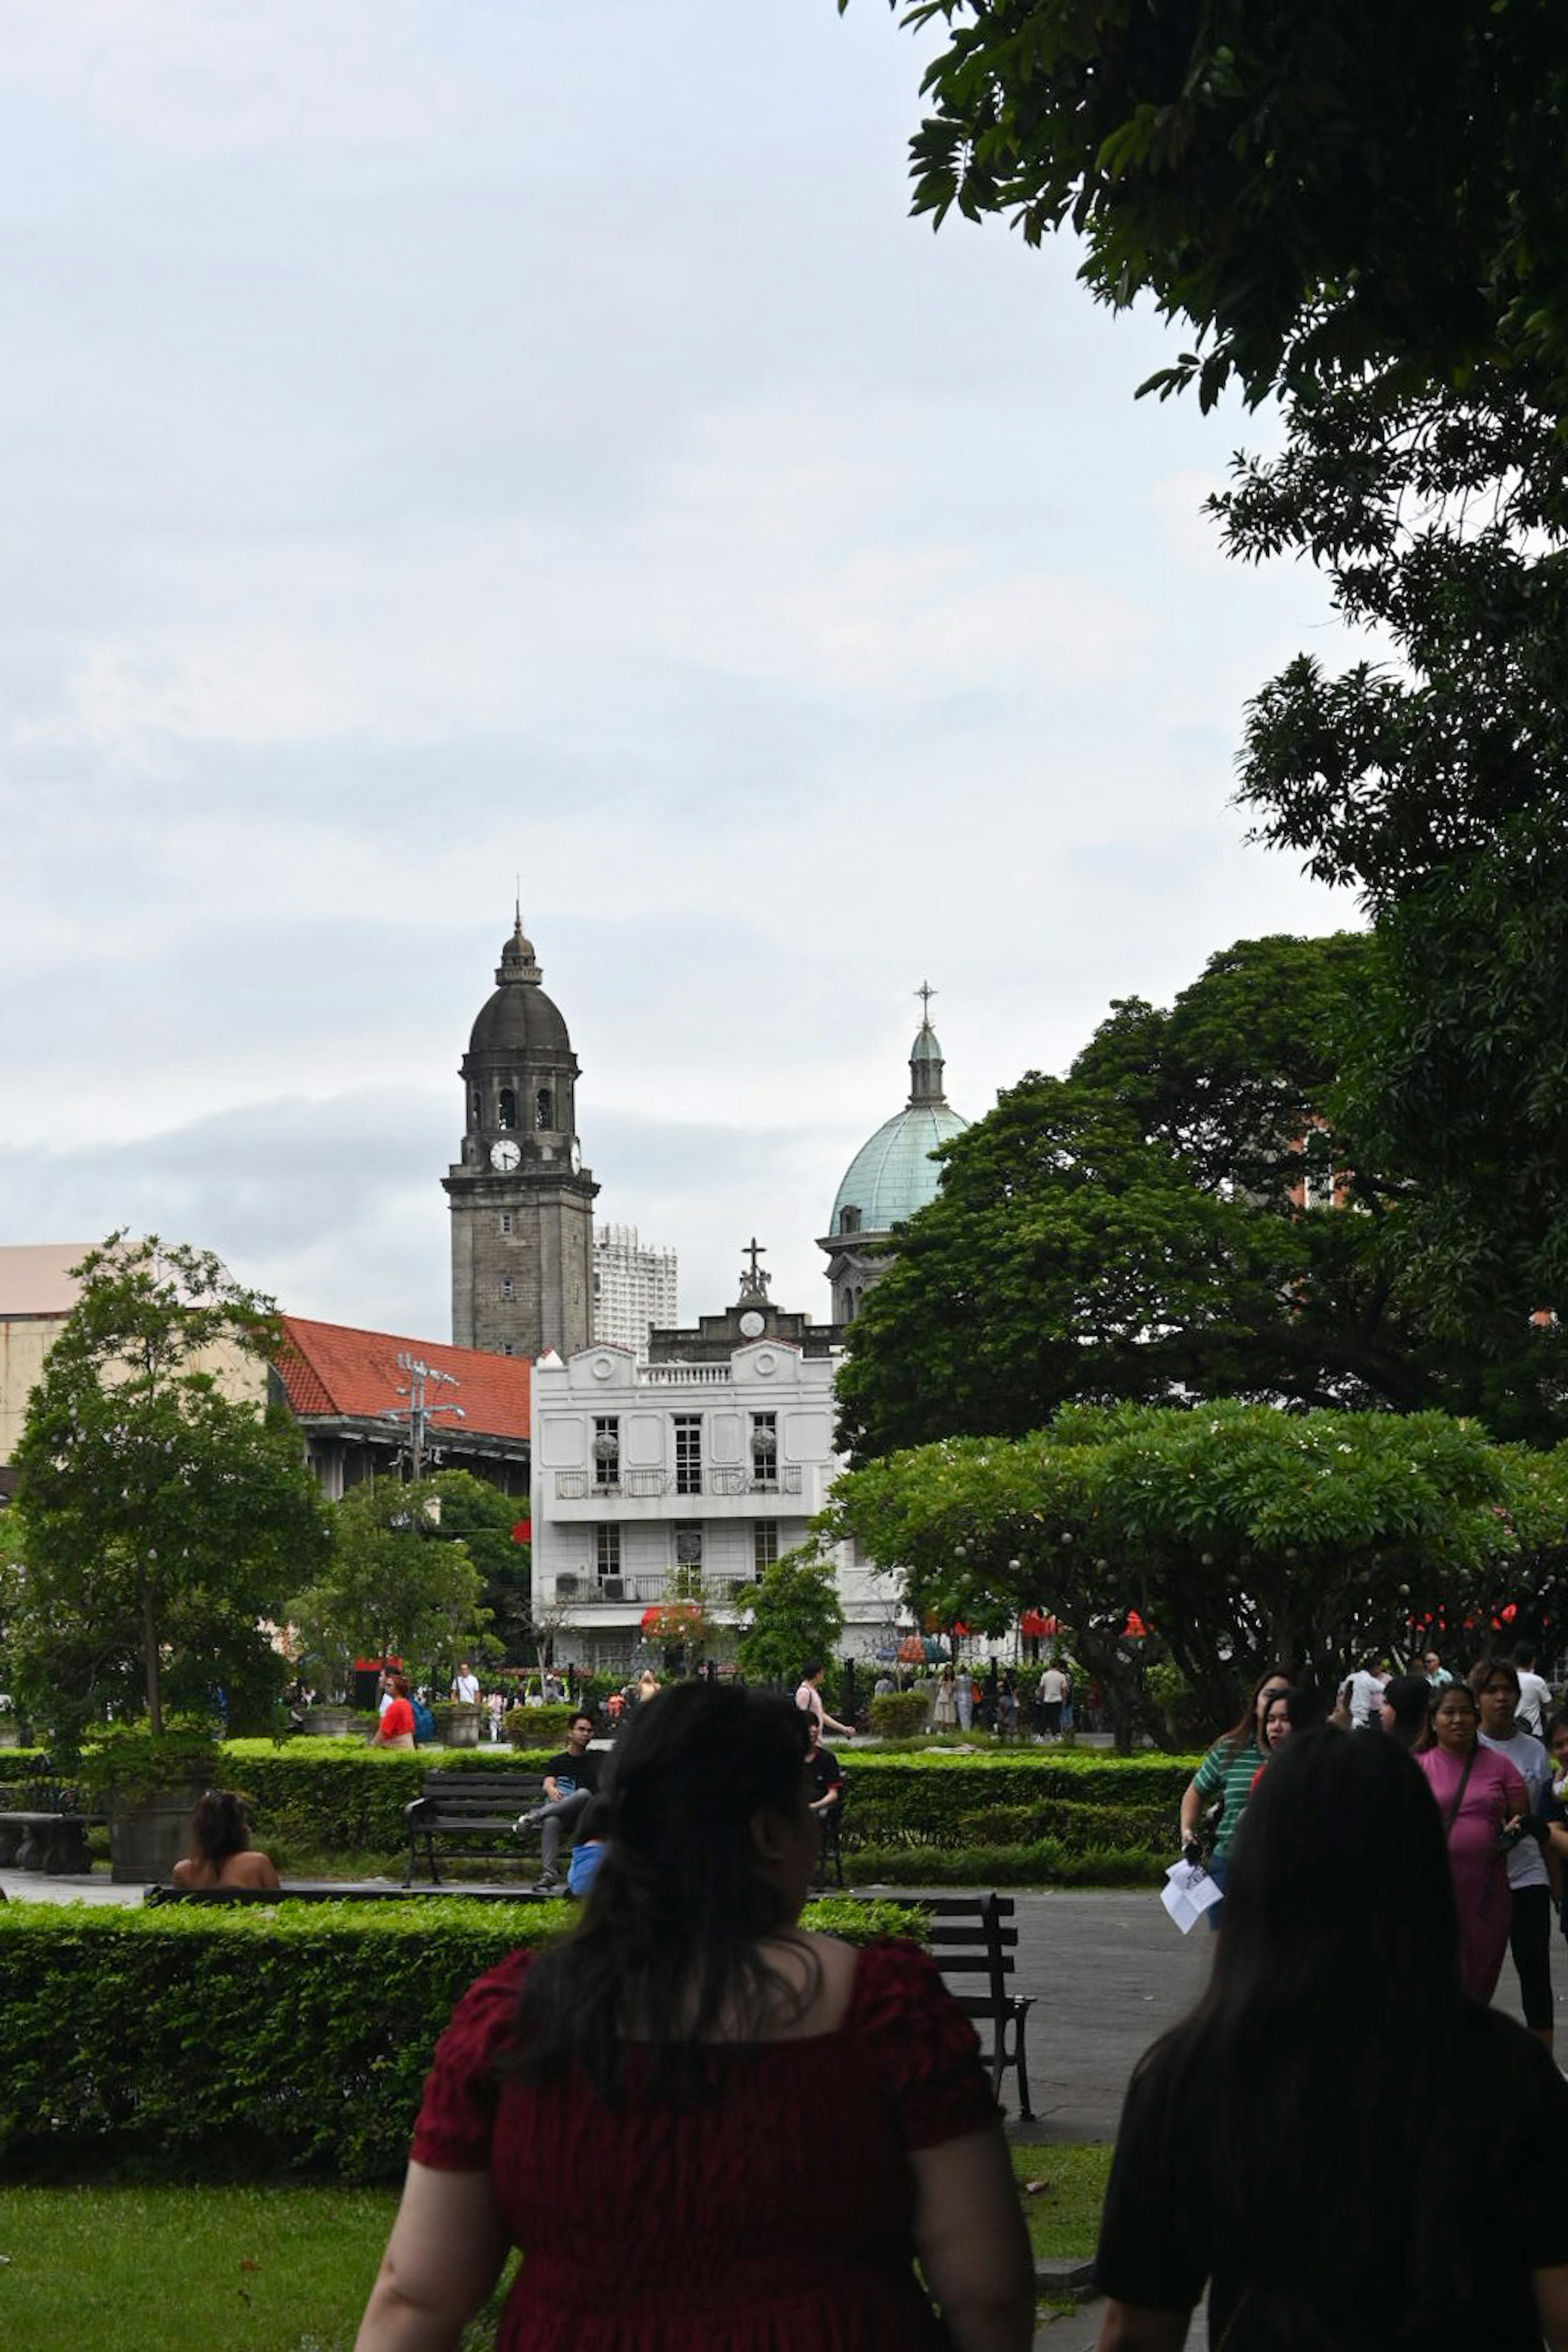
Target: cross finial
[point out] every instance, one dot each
(753, 1281)
(925, 992)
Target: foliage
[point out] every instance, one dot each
(211, 2044)
(533, 1727)
(1137, 1231)
(795, 1616)
(1251, 165)
(161, 1522)
(129, 1762)
(899, 1715)
(481, 1518)
(397, 1584)
(1241, 1536)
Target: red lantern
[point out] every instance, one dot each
(523, 1531)
(1511, 1613)
(1135, 1628)
(1038, 1625)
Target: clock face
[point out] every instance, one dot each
(752, 1325)
(505, 1156)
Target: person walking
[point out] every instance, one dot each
(640, 2106)
(944, 1713)
(1480, 1797)
(808, 1698)
(1535, 1701)
(1227, 1772)
(1053, 1697)
(1347, 2152)
(1496, 1686)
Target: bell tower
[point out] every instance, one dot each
(521, 1200)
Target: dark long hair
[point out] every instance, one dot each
(1306, 2080)
(1409, 1699)
(1243, 1732)
(670, 1940)
(219, 1826)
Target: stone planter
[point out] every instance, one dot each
(463, 1726)
(146, 1838)
(330, 1722)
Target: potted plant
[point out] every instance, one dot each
(147, 1786)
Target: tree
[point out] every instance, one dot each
(1311, 190)
(396, 1584)
(1225, 1540)
(1250, 165)
(1136, 1231)
(795, 1616)
(485, 1521)
(160, 1520)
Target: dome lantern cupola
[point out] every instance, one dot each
(892, 1175)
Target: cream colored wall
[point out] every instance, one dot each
(26, 1341)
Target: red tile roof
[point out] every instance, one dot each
(328, 1367)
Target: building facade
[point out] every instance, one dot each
(685, 1478)
(634, 1288)
(891, 1176)
(368, 1404)
(521, 1200)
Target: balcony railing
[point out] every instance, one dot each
(578, 1486)
(657, 1585)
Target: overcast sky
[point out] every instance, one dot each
(442, 442)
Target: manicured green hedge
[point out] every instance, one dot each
(531, 1727)
(204, 2043)
(1046, 1863)
(899, 1715)
(338, 1796)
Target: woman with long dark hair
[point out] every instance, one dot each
(1352, 2156)
(221, 1853)
(1228, 1773)
(708, 2130)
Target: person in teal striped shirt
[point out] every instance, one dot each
(1228, 1771)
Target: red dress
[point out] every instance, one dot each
(776, 2218)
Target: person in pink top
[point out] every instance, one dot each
(1483, 1802)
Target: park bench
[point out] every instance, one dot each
(975, 1943)
(48, 1831)
(324, 1891)
(476, 1811)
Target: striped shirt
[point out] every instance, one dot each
(1232, 1770)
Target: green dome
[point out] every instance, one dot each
(894, 1174)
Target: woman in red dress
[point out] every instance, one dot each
(708, 2130)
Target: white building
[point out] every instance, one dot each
(634, 1288)
(689, 1475)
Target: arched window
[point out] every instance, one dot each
(848, 1221)
(544, 1108)
(506, 1115)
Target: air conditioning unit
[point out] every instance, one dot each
(568, 1587)
(613, 1588)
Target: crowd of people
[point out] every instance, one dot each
(1495, 1757)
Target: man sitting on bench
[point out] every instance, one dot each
(569, 1780)
(827, 1775)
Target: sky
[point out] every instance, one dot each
(459, 447)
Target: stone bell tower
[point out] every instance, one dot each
(523, 1202)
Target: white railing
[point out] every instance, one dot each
(683, 1375)
(580, 1485)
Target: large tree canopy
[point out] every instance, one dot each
(1363, 210)
(1237, 1537)
(399, 1583)
(1312, 188)
(1138, 1231)
(162, 1522)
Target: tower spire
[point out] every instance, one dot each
(925, 1056)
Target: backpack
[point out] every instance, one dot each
(424, 1723)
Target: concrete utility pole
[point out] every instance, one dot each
(421, 1411)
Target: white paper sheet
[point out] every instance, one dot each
(1188, 1892)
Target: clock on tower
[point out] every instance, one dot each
(521, 1200)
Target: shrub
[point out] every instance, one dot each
(538, 1727)
(1046, 1863)
(202, 2044)
(338, 1796)
(899, 1715)
(1079, 1828)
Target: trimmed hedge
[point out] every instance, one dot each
(900, 1715)
(1046, 1863)
(204, 2043)
(337, 1796)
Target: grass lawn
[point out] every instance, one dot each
(288, 2269)
(185, 2270)
(1063, 2211)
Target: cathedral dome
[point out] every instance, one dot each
(518, 1019)
(893, 1174)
